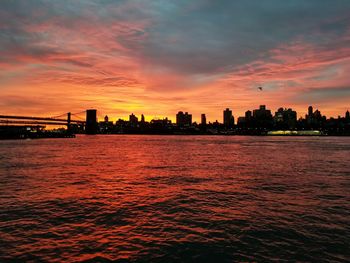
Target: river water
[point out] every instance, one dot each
(175, 199)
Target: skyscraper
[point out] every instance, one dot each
(228, 118)
(203, 120)
(310, 111)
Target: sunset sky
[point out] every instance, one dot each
(159, 57)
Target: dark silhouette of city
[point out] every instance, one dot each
(260, 121)
(257, 122)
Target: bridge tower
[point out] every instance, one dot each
(68, 121)
(91, 121)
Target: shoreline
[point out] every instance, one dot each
(181, 135)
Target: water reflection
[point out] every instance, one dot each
(175, 198)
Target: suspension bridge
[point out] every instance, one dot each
(86, 119)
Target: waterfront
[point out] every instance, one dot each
(175, 198)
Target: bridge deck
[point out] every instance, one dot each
(48, 120)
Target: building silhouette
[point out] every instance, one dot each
(310, 111)
(314, 119)
(248, 115)
(203, 120)
(285, 119)
(257, 122)
(262, 117)
(228, 118)
(183, 119)
(106, 126)
(133, 120)
(161, 126)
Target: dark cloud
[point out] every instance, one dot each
(190, 37)
(215, 35)
(317, 95)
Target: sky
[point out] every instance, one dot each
(158, 57)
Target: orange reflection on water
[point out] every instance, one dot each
(173, 197)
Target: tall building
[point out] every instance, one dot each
(285, 118)
(133, 120)
(229, 120)
(91, 121)
(262, 117)
(183, 119)
(310, 111)
(105, 126)
(262, 113)
(248, 115)
(203, 120)
(347, 115)
(142, 118)
(317, 114)
(279, 115)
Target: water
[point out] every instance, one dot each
(175, 199)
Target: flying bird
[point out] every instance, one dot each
(260, 88)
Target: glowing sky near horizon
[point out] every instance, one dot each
(159, 57)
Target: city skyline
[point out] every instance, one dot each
(158, 57)
(199, 119)
(261, 121)
(203, 116)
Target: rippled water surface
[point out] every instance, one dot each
(175, 199)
